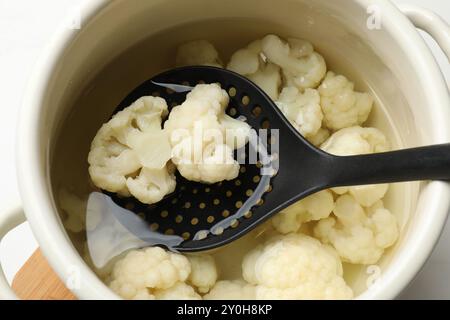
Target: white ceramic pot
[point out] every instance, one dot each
(373, 36)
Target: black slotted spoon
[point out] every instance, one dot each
(289, 168)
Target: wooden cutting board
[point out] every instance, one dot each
(37, 281)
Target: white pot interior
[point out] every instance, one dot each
(129, 41)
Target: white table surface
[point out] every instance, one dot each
(25, 26)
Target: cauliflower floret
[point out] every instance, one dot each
(246, 61)
(342, 106)
(200, 52)
(335, 289)
(359, 236)
(142, 272)
(75, 209)
(295, 266)
(320, 137)
(180, 291)
(152, 184)
(250, 62)
(354, 141)
(315, 207)
(268, 78)
(204, 272)
(369, 194)
(129, 154)
(302, 67)
(302, 110)
(231, 290)
(203, 136)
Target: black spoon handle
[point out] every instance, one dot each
(424, 163)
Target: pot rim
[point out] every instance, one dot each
(58, 248)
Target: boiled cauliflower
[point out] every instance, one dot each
(141, 274)
(320, 137)
(295, 266)
(315, 207)
(151, 185)
(252, 63)
(129, 154)
(180, 291)
(368, 195)
(360, 236)
(342, 106)
(203, 137)
(301, 66)
(302, 110)
(280, 259)
(232, 290)
(200, 52)
(354, 141)
(204, 272)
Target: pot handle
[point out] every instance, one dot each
(9, 219)
(431, 23)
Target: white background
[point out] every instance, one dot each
(25, 27)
